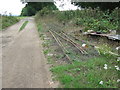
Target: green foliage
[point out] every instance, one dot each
(90, 19)
(29, 11)
(88, 74)
(45, 11)
(65, 15)
(46, 51)
(32, 8)
(102, 5)
(8, 21)
(96, 19)
(106, 51)
(102, 25)
(39, 27)
(21, 17)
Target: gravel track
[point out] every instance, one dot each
(23, 61)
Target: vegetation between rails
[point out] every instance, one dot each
(99, 71)
(23, 25)
(8, 21)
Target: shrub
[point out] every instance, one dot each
(94, 19)
(8, 21)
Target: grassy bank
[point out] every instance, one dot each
(89, 19)
(98, 69)
(91, 73)
(8, 21)
(21, 17)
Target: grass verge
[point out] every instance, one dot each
(8, 21)
(21, 17)
(100, 71)
(88, 74)
(23, 25)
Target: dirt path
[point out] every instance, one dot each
(24, 64)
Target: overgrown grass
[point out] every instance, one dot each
(88, 74)
(96, 19)
(8, 21)
(39, 27)
(23, 25)
(90, 19)
(100, 71)
(21, 17)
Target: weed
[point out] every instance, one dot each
(96, 19)
(21, 17)
(8, 21)
(87, 73)
(105, 50)
(46, 51)
(90, 72)
(50, 60)
(23, 25)
(45, 44)
(59, 56)
(39, 28)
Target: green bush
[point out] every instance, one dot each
(90, 19)
(8, 21)
(44, 11)
(101, 21)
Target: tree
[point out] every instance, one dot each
(102, 5)
(32, 8)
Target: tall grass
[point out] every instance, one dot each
(100, 71)
(8, 21)
(90, 19)
(88, 74)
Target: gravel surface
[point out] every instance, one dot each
(23, 62)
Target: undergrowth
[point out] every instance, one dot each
(90, 19)
(8, 21)
(88, 74)
(100, 71)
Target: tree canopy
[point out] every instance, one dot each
(102, 5)
(32, 8)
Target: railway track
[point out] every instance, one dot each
(73, 43)
(72, 49)
(78, 39)
(66, 38)
(61, 45)
(72, 37)
(62, 36)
